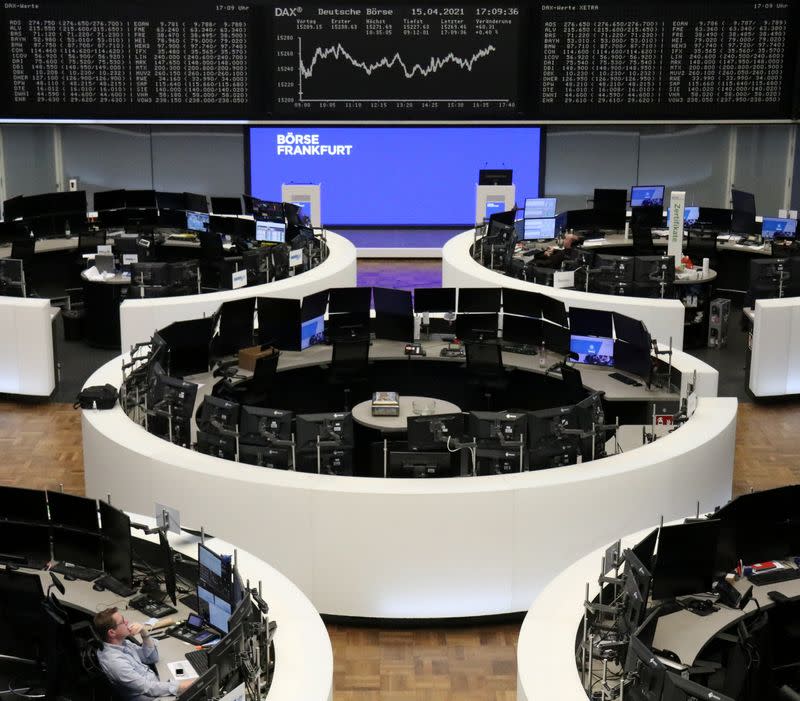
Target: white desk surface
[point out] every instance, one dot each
(362, 413)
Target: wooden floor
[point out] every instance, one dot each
(40, 446)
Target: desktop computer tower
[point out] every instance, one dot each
(720, 311)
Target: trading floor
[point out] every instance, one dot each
(41, 444)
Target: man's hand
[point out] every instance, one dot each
(137, 628)
(185, 684)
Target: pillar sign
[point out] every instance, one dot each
(677, 203)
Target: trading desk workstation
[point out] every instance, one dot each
(61, 564)
(701, 608)
(289, 454)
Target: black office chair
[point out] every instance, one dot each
(701, 245)
(349, 366)
(643, 241)
(573, 390)
(23, 249)
(485, 371)
(254, 390)
(213, 260)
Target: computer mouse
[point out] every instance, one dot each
(97, 586)
(70, 577)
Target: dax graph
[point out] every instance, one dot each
(397, 60)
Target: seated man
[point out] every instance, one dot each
(553, 257)
(125, 664)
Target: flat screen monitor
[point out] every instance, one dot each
(495, 176)
(270, 232)
(479, 299)
(261, 426)
(654, 270)
(312, 332)
(590, 322)
(646, 671)
(522, 329)
(686, 559)
(556, 338)
(116, 543)
(21, 598)
(109, 199)
(676, 688)
(477, 327)
(226, 656)
(196, 221)
(195, 202)
(690, 216)
(27, 543)
(432, 432)
(647, 196)
(773, 227)
(235, 326)
(494, 207)
(539, 229)
(522, 302)
(645, 549)
(607, 200)
(265, 456)
(632, 358)
(140, 199)
(593, 350)
(77, 547)
(20, 504)
(169, 200)
(497, 425)
(226, 205)
(631, 331)
(744, 223)
(214, 587)
(714, 218)
(391, 301)
(73, 511)
(335, 428)
(217, 445)
(554, 310)
(314, 305)
(540, 207)
(434, 299)
(349, 299)
(742, 201)
(155, 274)
(303, 211)
(204, 688)
(265, 210)
(218, 415)
(279, 322)
(420, 464)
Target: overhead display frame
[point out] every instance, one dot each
(258, 61)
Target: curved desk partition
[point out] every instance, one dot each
(139, 318)
(775, 362)
(405, 548)
(664, 318)
(27, 364)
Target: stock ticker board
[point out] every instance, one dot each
(254, 60)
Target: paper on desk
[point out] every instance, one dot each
(188, 670)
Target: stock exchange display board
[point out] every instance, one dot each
(254, 60)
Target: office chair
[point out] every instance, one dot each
(349, 366)
(23, 249)
(88, 241)
(573, 390)
(212, 260)
(254, 390)
(702, 245)
(485, 371)
(643, 241)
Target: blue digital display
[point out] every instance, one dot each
(374, 176)
(593, 350)
(312, 332)
(539, 207)
(782, 228)
(196, 221)
(305, 209)
(537, 229)
(494, 207)
(647, 196)
(690, 216)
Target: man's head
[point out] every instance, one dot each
(111, 626)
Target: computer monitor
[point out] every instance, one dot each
(620, 268)
(554, 310)
(773, 227)
(592, 350)
(426, 433)
(349, 299)
(477, 327)
(24, 543)
(495, 176)
(394, 314)
(690, 216)
(646, 672)
(226, 205)
(168, 565)
(204, 688)
(540, 207)
(117, 546)
(647, 196)
(270, 232)
(235, 326)
(654, 269)
(103, 200)
(167, 200)
(218, 415)
(139, 199)
(333, 427)
(548, 445)
(214, 444)
(713, 218)
(26, 505)
(260, 426)
(264, 209)
(312, 332)
(479, 299)
(227, 655)
(774, 278)
(265, 456)
(631, 331)
(677, 688)
(174, 396)
(434, 299)
(522, 329)
(610, 200)
(556, 338)
(634, 605)
(589, 322)
(645, 549)
(214, 587)
(686, 559)
(522, 302)
(498, 425)
(539, 229)
(632, 358)
(742, 201)
(196, 202)
(419, 463)
(279, 322)
(150, 273)
(73, 511)
(744, 223)
(196, 221)
(21, 599)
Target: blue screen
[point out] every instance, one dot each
(305, 209)
(196, 221)
(393, 175)
(690, 215)
(539, 207)
(783, 228)
(593, 350)
(539, 229)
(647, 196)
(494, 207)
(312, 332)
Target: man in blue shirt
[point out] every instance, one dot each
(125, 664)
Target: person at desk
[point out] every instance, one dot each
(125, 664)
(553, 256)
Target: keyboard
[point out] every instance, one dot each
(190, 601)
(624, 379)
(115, 586)
(198, 659)
(520, 348)
(151, 607)
(452, 353)
(87, 574)
(784, 574)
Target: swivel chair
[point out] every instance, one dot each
(212, 260)
(643, 241)
(349, 366)
(573, 384)
(23, 249)
(485, 371)
(702, 245)
(252, 391)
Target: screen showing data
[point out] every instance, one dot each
(403, 176)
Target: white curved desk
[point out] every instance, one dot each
(406, 548)
(27, 363)
(139, 318)
(663, 317)
(774, 362)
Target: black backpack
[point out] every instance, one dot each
(97, 397)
